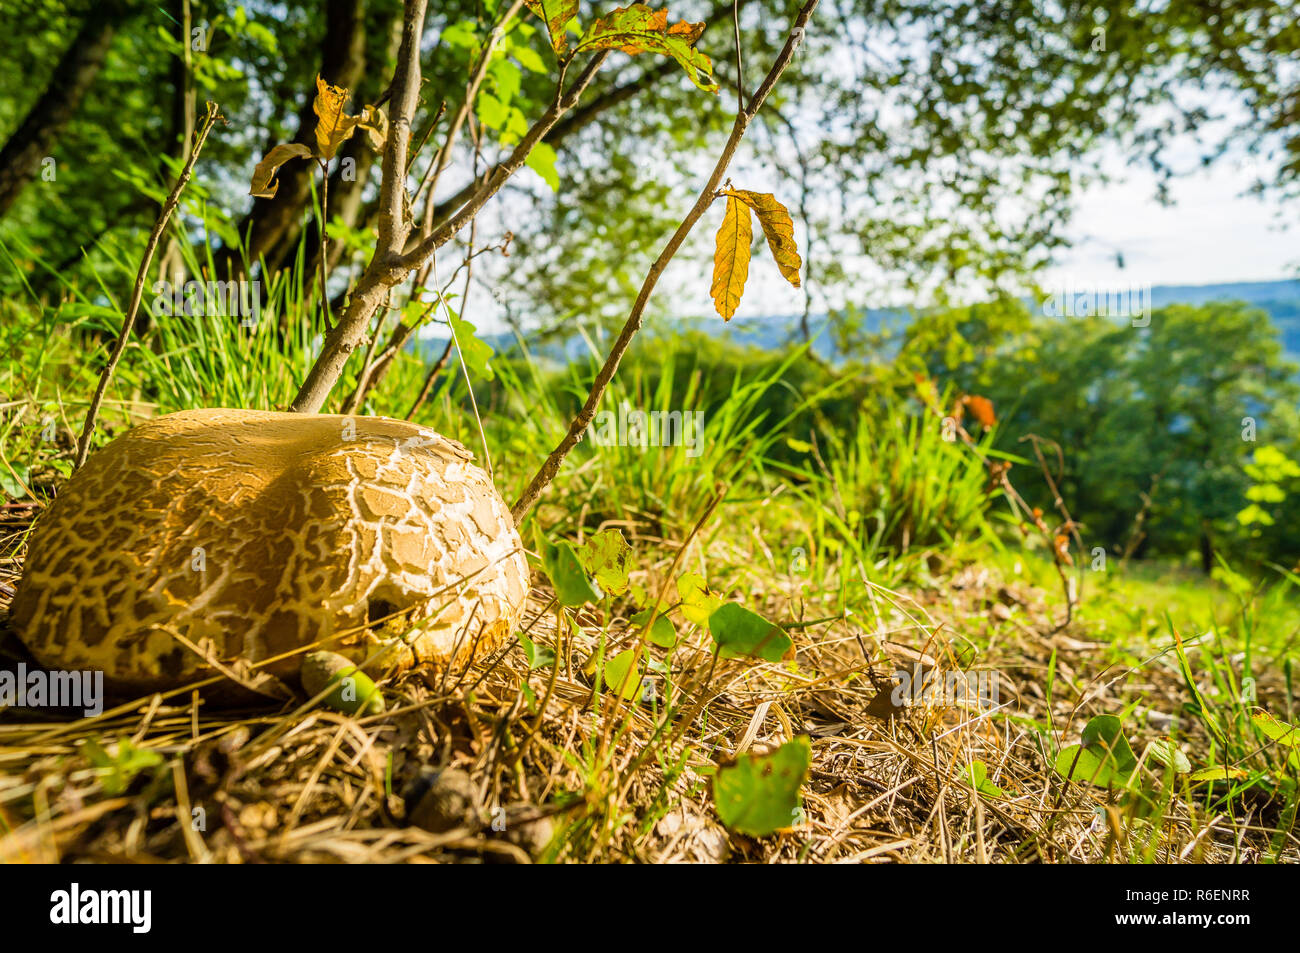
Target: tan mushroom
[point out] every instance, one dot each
(206, 542)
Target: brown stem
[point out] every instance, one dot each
(389, 266)
(363, 388)
(428, 381)
(440, 161)
(83, 445)
(324, 224)
(584, 417)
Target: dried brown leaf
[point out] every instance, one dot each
(778, 228)
(264, 184)
(333, 125)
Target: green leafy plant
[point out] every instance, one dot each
(761, 793)
(117, 770)
(1103, 757)
(977, 773)
(738, 631)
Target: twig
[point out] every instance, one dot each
(1137, 533)
(83, 445)
(390, 265)
(324, 224)
(551, 467)
(438, 163)
(740, 66)
(428, 381)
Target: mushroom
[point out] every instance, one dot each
(232, 542)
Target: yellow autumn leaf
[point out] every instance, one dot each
(778, 228)
(375, 123)
(731, 257)
(264, 184)
(333, 126)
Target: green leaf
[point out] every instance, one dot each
(473, 350)
(977, 773)
(1276, 730)
(562, 566)
(116, 771)
(462, 35)
(528, 58)
(698, 603)
(542, 161)
(1104, 758)
(1254, 514)
(741, 632)
(492, 112)
(538, 656)
(607, 556)
(663, 633)
(638, 29)
(760, 794)
(1168, 754)
(350, 690)
(1265, 493)
(617, 669)
(507, 78)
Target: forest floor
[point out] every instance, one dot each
(533, 764)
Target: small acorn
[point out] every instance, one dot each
(354, 693)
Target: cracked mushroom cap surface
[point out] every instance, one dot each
(205, 542)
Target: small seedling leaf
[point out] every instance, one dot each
(760, 793)
(698, 603)
(619, 676)
(977, 773)
(1168, 754)
(663, 633)
(573, 587)
(739, 631)
(1104, 758)
(608, 557)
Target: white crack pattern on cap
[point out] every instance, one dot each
(255, 533)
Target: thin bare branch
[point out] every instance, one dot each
(579, 424)
(83, 445)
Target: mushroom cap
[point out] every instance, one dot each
(252, 535)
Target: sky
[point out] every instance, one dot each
(1212, 234)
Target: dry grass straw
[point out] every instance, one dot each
(887, 785)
